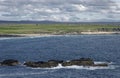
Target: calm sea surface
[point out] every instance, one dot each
(101, 48)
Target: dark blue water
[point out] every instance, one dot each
(102, 48)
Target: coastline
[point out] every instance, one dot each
(36, 35)
(100, 33)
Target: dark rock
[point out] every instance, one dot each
(54, 63)
(0, 63)
(79, 62)
(10, 62)
(34, 64)
(57, 61)
(41, 64)
(30, 64)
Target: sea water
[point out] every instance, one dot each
(101, 48)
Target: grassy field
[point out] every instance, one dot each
(51, 28)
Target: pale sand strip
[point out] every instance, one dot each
(97, 33)
(32, 35)
(36, 35)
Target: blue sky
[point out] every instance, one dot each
(60, 10)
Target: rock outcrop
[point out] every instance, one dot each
(54, 63)
(79, 62)
(9, 62)
(41, 64)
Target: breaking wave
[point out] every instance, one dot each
(110, 66)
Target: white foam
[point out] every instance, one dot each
(9, 38)
(110, 66)
(6, 38)
(84, 67)
(34, 36)
(13, 38)
(96, 62)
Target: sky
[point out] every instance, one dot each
(61, 10)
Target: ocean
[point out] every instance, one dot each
(101, 48)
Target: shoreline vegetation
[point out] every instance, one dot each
(34, 30)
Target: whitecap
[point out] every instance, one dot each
(110, 66)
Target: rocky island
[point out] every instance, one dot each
(54, 63)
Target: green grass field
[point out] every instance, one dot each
(50, 28)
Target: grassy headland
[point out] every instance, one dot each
(55, 29)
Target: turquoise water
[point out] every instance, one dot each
(101, 48)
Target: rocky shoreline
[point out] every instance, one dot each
(53, 63)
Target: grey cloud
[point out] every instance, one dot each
(59, 10)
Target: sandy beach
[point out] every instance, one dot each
(32, 35)
(36, 35)
(84, 33)
(100, 33)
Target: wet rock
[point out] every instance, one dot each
(57, 61)
(79, 62)
(35, 64)
(0, 63)
(54, 63)
(41, 64)
(29, 64)
(10, 62)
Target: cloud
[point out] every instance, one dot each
(60, 10)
